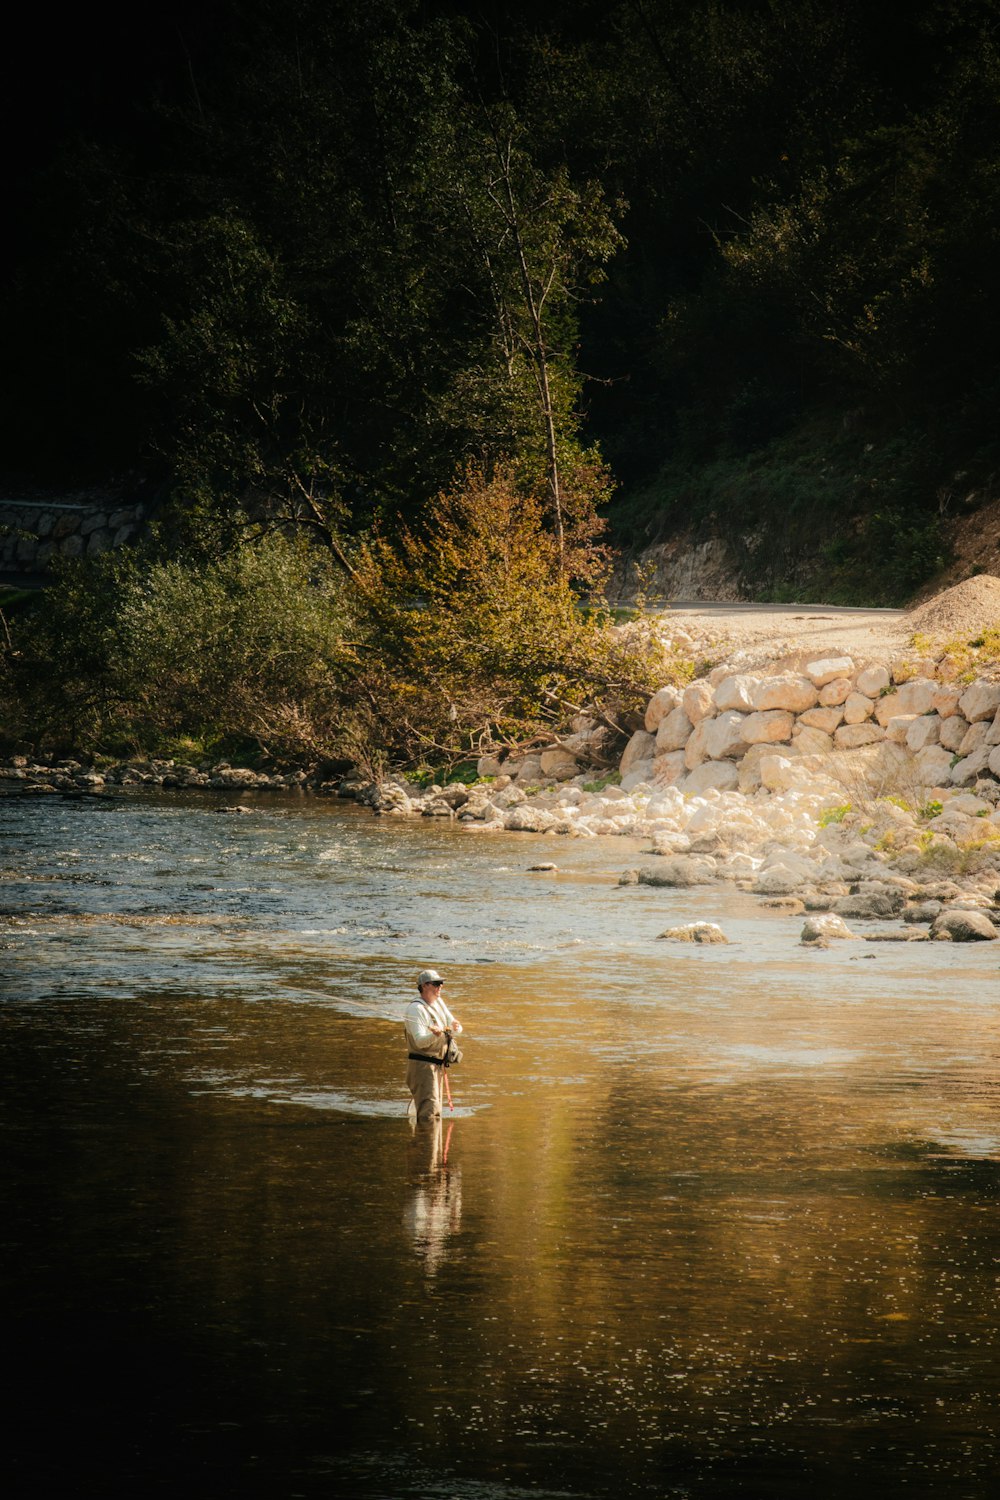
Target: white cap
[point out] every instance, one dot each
(428, 976)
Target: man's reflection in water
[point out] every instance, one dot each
(434, 1210)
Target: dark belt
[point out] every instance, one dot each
(439, 1062)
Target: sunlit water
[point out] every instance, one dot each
(706, 1221)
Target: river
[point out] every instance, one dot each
(706, 1222)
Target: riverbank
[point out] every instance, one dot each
(861, 786)
(858, 786)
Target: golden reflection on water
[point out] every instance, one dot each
(704, 1222)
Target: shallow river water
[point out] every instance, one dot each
(706, 1222)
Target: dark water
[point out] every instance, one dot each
(708, 1222)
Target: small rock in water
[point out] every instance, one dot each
(790, 904)
(874, 905)
(820, 929)
(235, 808)
(961, 926)
(696, 932)
(922, 911)
(542, 869)
(682, 870)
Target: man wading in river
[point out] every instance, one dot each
(430, 1027)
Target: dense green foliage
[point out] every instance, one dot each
(351, 248)
(431, 647)
(726, 266)
(129, 652)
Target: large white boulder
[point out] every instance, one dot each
(953, 732)
(946, 699)
(858, 708)
(724, 736)
(695, 751)
(826, 718)
(794, 694)
(662, 703)
(641, 746)
(829, 668)
(980, 701)
(528, 819)
(668, 768)
(852, 736)
(993, 733)
(831, 694)
(698, 700)
(966, 771)
(917, 696)
(873, 681)
(994, 760)
(768, 726)
(824, 927)
(899, 727)
(736, 692)
(974, 737)
(964, 927)
(674, 731)
(923, 731)
(807, 740)
(558, 763)
(933, 765)
(696, 932)
(714, 775)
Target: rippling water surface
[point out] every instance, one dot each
(705, 1222)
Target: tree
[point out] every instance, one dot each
(475, 629)
(540, 241)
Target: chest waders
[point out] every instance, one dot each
(444, 1063)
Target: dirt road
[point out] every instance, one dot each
(770, 632)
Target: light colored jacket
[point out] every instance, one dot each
(421, 1015)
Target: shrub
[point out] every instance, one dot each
(130, 654)
(437, 643)
(475, 631)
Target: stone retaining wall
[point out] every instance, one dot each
(34, 532)
(720, 731)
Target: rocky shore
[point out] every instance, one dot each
(74, 779)
(853, 792)
(847, 789)
(849, 772)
